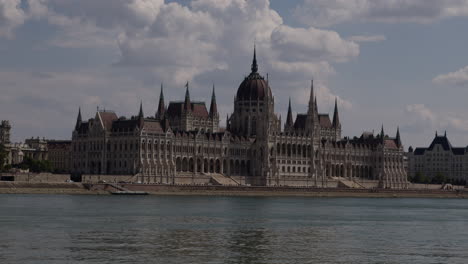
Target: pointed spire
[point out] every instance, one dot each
(161, 107)
(78, 119)
(445, 133)
(316, 105)
(213, 106)
(254, 61)
(336, 117)
(311, 99)
(289, 119)
(140, 114)
(382, 134)
(398, 139)
(187, 104)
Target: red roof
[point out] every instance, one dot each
(324, 121)
(107, 119)
(153, 126)
(198, 109)
(390, 143)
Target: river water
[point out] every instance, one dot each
(197, 229)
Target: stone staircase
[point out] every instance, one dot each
(124, 191)
(346, 183)
(220, 179)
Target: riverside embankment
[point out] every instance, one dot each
(154, 189)
(46, 188)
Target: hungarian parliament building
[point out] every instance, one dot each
(182, 143)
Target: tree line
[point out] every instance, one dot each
(438, 179)
(33, 165)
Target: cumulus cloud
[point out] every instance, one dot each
(367, 38)
(459, 77)
(11, 16)
(325, 97)
(293, 43)
(204, 42)
(421, 119)
(331, 12)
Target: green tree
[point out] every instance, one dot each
(420, 178)
(439, 179)
(3, 157)
(36, 165)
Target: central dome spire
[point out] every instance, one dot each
(254, 87)
(254, 61)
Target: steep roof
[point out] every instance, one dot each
(176, 109)
(324, 120)
(391, 143)
(446, 146)
(300, 122)
(153, 126)
(441, 140)
(107, 119)
(149, 125)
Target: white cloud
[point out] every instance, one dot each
(300, 44)
(204, 42)
(331, 12)
(11, 16)
(367, 38)
(421, 119)
(325, 98)
(459, 77)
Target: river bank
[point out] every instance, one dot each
(46, 188)
(206, 190)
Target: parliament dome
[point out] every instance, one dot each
(254, 87)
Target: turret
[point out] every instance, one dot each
(315, 106)
(141, 116)
(78, 119)
(161, 107)
(187, 104)
(213, 106)
(140, 113)
(336, 117)
(289, 120)
(382, 134)
(311, 99)
(398, 140)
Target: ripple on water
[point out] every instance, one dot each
(93, 229)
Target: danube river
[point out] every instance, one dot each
(196, 229)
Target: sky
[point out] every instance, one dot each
(396, 63)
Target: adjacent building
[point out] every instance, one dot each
(185, 140)
(58, 153)
(440, 158)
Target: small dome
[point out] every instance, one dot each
(254, 87)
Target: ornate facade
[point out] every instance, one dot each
(185, 140)
(439, 158)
